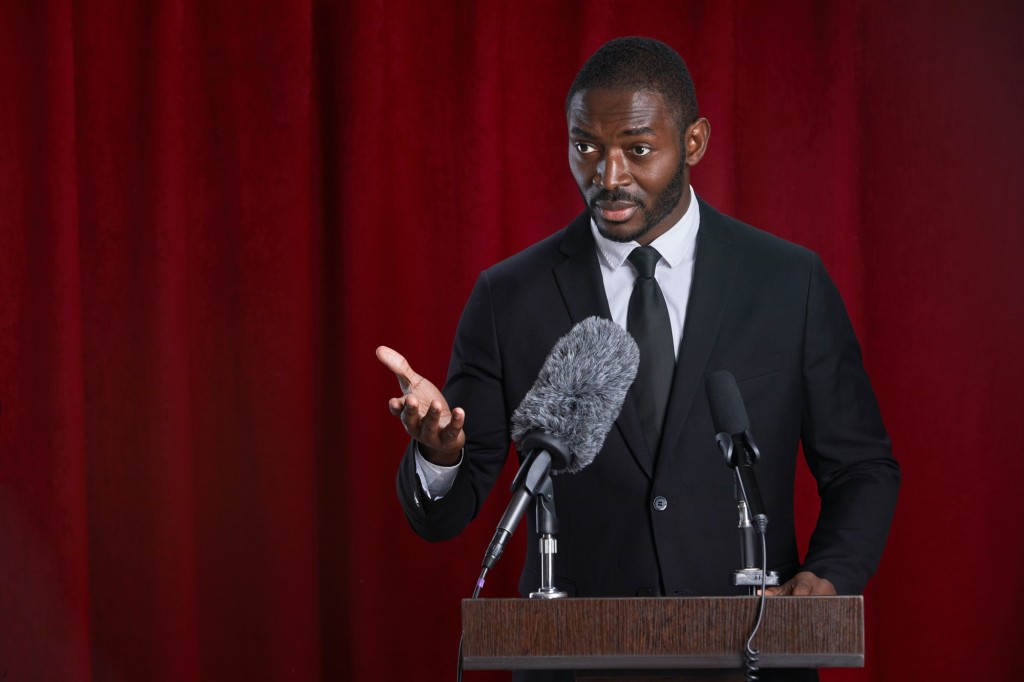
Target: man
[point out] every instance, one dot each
(654, 514)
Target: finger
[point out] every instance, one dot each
(396, 405)
(801, 588)
(451, 432)
(397, 363)
(430, 422)
(772, 591)
(823, 587)
(411, 415)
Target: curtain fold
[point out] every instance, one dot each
(212, 213)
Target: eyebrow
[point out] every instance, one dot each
(631, 132)
(643, 130)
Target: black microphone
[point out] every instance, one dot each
(735, 441)
(563, 419)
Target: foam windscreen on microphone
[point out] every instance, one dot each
(580, 389)
(727, 410)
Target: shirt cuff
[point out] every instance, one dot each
(436, 480)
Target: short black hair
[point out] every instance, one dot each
(638, 63)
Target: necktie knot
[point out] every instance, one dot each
(644, 259)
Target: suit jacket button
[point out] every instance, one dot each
(660, 503)
(644, 592)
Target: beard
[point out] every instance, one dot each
(664, 204)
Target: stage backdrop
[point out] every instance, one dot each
(212, 212)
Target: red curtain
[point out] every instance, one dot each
(212, 212)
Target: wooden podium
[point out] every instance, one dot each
(686, 638)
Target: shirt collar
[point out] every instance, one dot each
(676, 246)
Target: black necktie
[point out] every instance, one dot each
(648, 323)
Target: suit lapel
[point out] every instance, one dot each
(582, 288)
(713, 275)
(579, 275)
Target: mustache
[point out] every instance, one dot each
(617, 194)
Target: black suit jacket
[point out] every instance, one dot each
(763, 308)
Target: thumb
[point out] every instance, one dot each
(397, 363)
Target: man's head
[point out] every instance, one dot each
(633, 135)
(637, 63)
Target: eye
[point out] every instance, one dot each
(641, 150)
(584, 147)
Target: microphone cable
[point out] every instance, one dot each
(750, 654)
(476, 594)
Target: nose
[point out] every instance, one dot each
(612, 171)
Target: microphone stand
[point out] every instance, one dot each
(749, 575)
(747, 497)
(547, 526)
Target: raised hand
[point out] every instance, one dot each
(424, 412)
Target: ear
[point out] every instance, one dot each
(695, 141)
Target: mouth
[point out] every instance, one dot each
(616, 211)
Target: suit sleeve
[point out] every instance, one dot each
(845, 444)
(474, 383)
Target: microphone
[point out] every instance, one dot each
(735, 440)
(564, 418)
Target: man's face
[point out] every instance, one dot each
(626, 154)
